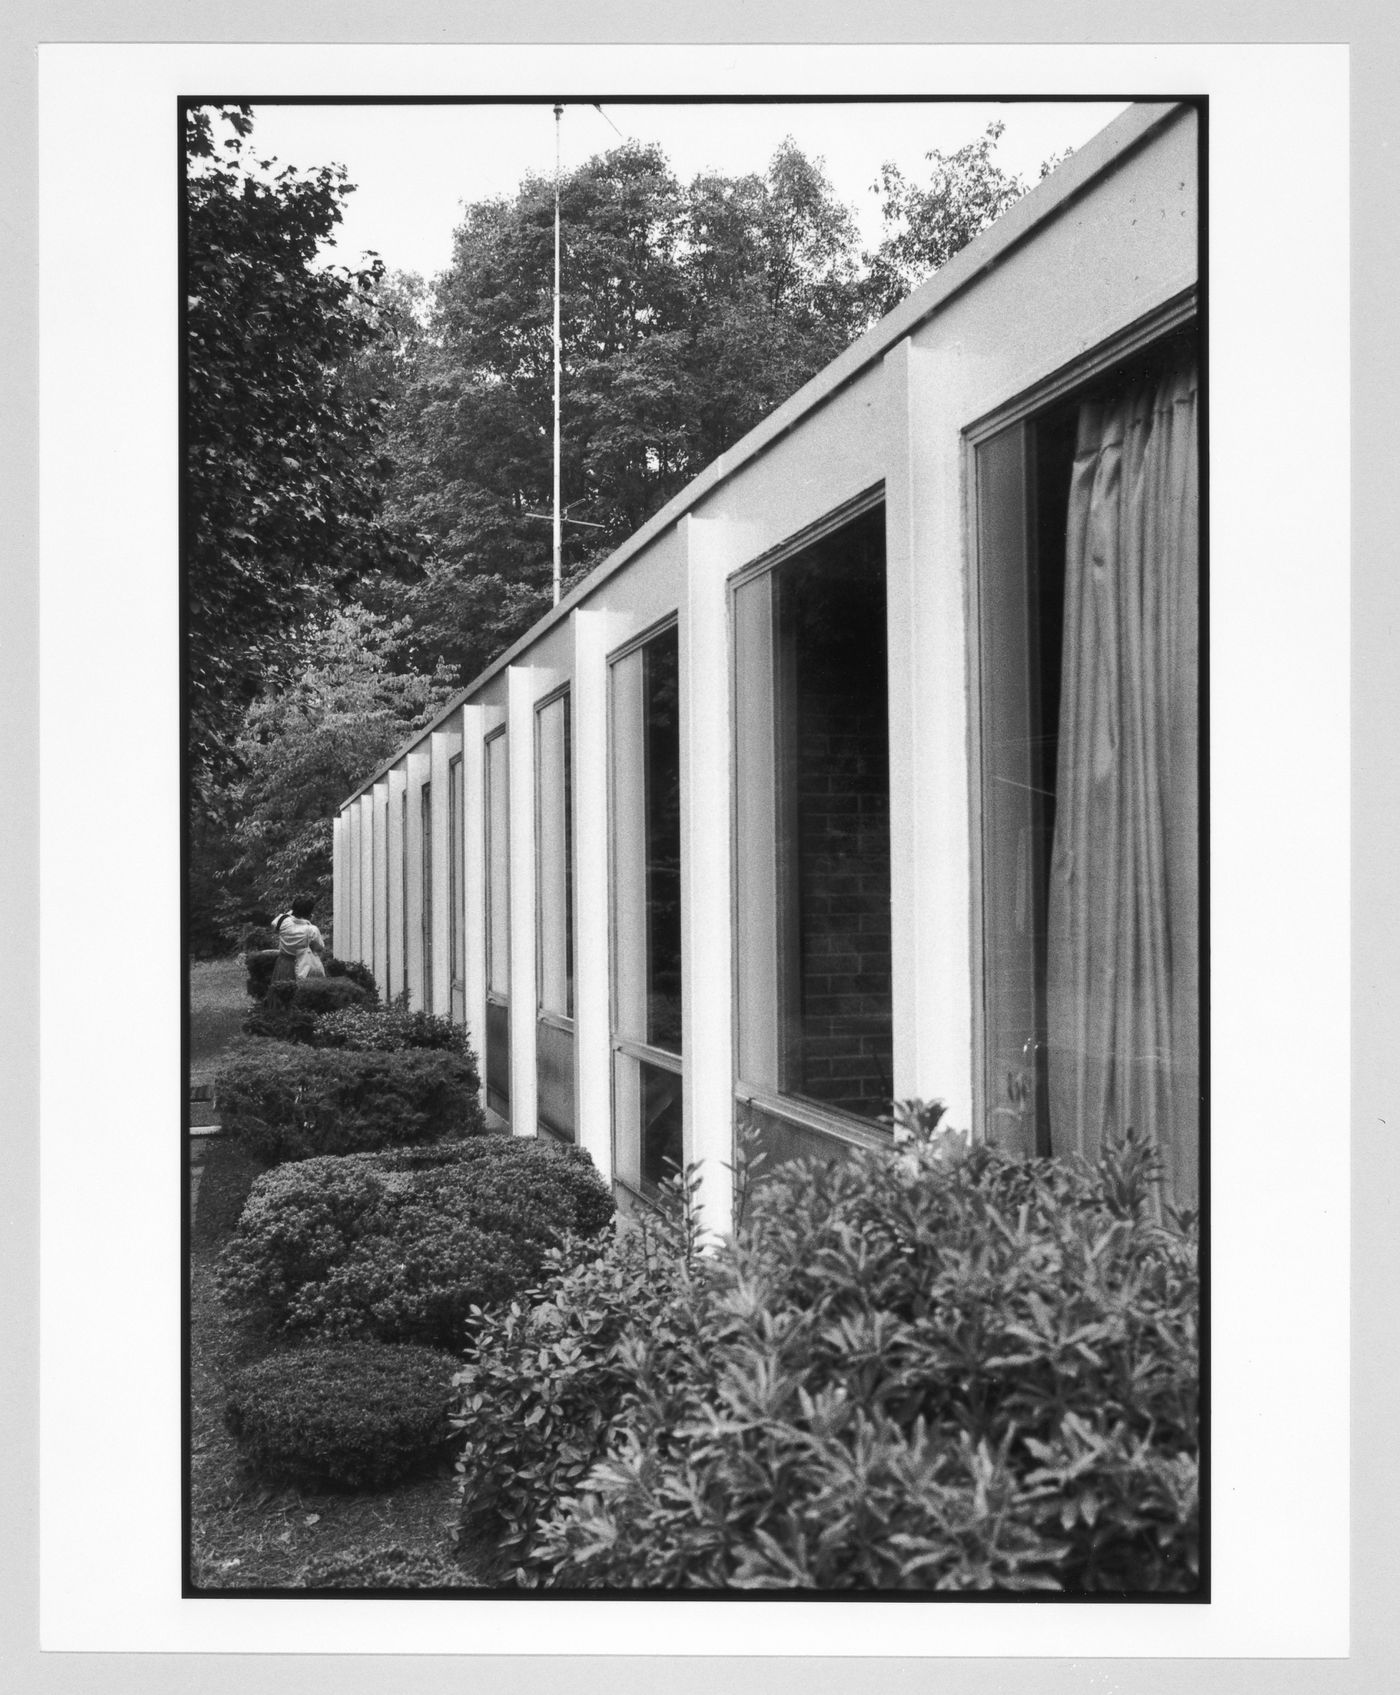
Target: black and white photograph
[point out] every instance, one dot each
(694, 863)
(693, 792)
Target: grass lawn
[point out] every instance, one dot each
(243, 1533)
(218, 1005)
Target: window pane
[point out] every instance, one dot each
(646, 1100)
(554, 879)
(497, 868)
(427, 848)
(403, 881)
(661, 689)
(812, 817)
(457, 937)
(647, 844)
(1087, 594)
(646, 868)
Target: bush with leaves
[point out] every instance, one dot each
(928, 1367)
(406, 1245)
(357, 973)
(290, 1011)
(290, 1101)
(259, 963)
(535, 1402)
(353, 1415)
(389, 1030)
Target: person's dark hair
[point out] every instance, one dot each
(303, 906)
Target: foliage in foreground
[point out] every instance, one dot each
(931, 1367)
(289, 1101)
(284, 466)
(536, 1401)
(356, 1415)
(404, 1245)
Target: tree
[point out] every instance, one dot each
(338, 710)
(284, 463)
(687, 314)
(926, 226)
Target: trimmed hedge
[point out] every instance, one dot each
(389, 1030)
(260, 962)
(357, 973)
(291, 1011)
(288, 1101)
(930, 1367)
(405, 1245)
(357, 1415)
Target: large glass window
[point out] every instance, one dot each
(497, 925)
(554, 929)
(554, 841)
(388, 885)
(457, 920)
(812, 803)
(426, 846)
(646, 872)
(1087, 603)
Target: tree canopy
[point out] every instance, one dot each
(689, 312)
(361, 440)
(284, 463)
(338, 710)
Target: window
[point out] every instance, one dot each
(497, 925)
(1087, 537)
(812, 826)
(426, 846)
(554, 926)
(388, 885)
(403, 879)
(646, 874)
(457, 921)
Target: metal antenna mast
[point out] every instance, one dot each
(558, 513)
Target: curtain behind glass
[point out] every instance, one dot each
(1123, 915)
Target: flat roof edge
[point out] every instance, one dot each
(1042, 202)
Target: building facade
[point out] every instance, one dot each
(868, 768)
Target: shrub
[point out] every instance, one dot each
(389, 1566)
(389, 1030)
(534, 1404)
(931, 1367)
(403, 1245)
(319, 995)
(259, 964)
(289, 1102)
(357, 1415)
(356, 973)
(291, 1010)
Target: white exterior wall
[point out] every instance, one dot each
(714, 548)
(1020, 305)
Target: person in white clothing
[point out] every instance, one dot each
(299, 943)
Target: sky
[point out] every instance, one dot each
(414, 166)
